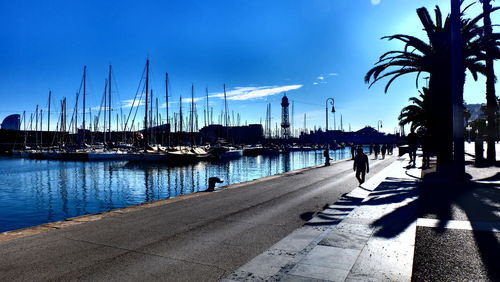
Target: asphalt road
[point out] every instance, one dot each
(201, 238)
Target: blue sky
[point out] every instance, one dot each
(312, 49)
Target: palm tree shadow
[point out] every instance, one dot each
(332, 214)
(436, 199)
(392, 191)
(402, 195)
(479, 202)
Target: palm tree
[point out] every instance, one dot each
(416, 114)
(433, 58)
(491, 102)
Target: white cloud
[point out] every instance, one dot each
(236, 94)
(322, 79)
(254, 92)
(129, 103)
(263, 92)
(375, 2)
(188, 100)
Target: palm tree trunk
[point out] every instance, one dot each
(491, 103)
(440, 120)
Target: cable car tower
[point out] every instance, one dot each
(285, 122)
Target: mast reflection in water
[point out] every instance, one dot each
(34, 192)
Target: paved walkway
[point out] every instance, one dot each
(458, 229)
(367, 235)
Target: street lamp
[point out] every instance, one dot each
(332, 103)
(379, 122)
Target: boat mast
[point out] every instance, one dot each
(180, 120)
(109, 102)
(104, 112)
(84, 93)
(156, 123)
(25, 134)
(191, 116)
(36, 126)
(207, 121)
(41, 131)
(75, 113)
(166, 100)
(146, 108)
(48, 116)
(225, 108)
(151, 119)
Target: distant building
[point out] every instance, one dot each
(365, 135)
(251, 134)
(12, 122)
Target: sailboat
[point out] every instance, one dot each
(147, 153)
(187, 154)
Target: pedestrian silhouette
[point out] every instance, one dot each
(376, 150)
(425, 142)
(361, 166)
(412, 147)
(326, 154)
(383, 150)
(352, 150)
(371, 149)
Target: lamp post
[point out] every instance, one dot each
(379, 122)
(332, 102)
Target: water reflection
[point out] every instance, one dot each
(34, 192)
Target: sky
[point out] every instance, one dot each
(309, 49)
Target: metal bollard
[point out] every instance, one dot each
(211, 183)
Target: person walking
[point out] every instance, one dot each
(371, 149)
(383, 150)
(376, 150)
(361, 166)
(425, 142)
(412, 139)
(390, 149)
(353, 149)
(326, 154)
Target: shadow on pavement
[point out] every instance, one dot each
(390, 191)
(481, 202)
(468, 201)
(333, 214)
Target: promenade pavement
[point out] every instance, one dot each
(395, 227)
(368, 235)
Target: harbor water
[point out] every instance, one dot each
(34, 192)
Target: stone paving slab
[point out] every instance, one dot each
(354, 239)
